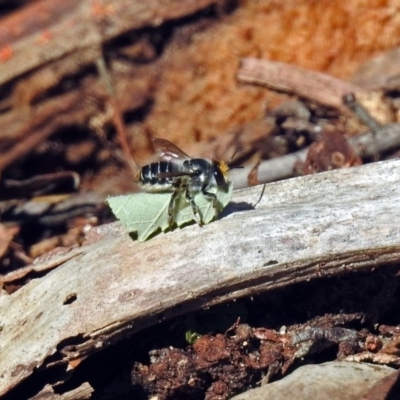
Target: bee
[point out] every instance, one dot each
(178, 173)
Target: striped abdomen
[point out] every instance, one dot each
(152, 177)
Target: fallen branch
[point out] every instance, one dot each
(315, 86)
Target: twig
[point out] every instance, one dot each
(361, 112)
(365, 145)
(315, 86)
(364, 116)
(40, 184)
(117, 114)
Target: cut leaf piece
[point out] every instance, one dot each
(146, 213)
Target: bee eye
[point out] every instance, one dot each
(219, 178)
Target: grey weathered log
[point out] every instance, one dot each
(303, 228)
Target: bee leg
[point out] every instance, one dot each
(213, 197)
(195, 209)
(171, 205)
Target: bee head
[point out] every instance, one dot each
(220, 172)
(221, 169)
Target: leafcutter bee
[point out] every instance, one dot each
(180, 174)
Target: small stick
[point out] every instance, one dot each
(117, 114)
(365, 145)
(314, 86)
(349, 99)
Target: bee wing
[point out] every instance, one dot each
(168, 151)
(175, 174)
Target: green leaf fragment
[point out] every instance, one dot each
(146, 213)
(191, 337)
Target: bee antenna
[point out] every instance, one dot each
(231, 159)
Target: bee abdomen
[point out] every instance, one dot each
(151, 176)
